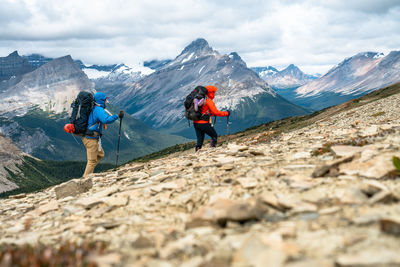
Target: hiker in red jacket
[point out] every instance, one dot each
(203, 127)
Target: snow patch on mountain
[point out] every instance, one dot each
(187, 58)
(95, 74)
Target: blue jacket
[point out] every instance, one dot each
(98, 117)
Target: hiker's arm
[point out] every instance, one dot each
(105, 118)
(214, 111)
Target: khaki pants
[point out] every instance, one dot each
(93, 154)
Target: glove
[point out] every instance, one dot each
(229, 113)
(121, 114)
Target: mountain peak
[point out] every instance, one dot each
(293, 70)
(14, 54)
(198, 45)
(368, 54)
(13, 65)
(292, 66)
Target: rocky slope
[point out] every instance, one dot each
(353, 77)
(10, 157)
(325, 193)
(157, 99)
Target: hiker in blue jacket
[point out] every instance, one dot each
(98, 119)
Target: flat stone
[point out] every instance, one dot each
(185, 244)
(52, 205)
(222, 211)
(278, 202)
(391, 225)
(366, 219)
(328, 211)
(330, 169)
(19, 196)
(225, 194)
(381, 197)
(89, 202)
(248, 183)
(346, 151)
(73, 188)
(234, 148)
(107, 192)
(142, 242)
(377, 167)
(111, 259)
(371, 130)
(253, 252)
(138, 176)
(350, 196)
(370, 258)
(116, 201)
(301, 155)
(372, 187)
(174, 185)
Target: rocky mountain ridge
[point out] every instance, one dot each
(353, 77)
(324, 192)
(12, 66)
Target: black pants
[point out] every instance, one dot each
(202, 129)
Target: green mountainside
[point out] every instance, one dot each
(41, 134)
(37, 174)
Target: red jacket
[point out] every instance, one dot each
(209, 105)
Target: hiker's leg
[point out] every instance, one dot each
(210, 131)
(199, 134)
(91, 153)
(100, 155)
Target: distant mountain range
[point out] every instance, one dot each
(35, 87)
(157, 99)
(353, 77)
(35, 106)
(290, 77)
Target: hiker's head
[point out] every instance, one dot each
(100, 98)
(211, 91)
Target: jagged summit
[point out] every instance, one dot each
(13, 65)
(235, 56)
(14, 54)
(199, 45)
(292, 69)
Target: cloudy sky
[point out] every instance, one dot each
(312, 34)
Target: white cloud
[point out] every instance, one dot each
(311, 34)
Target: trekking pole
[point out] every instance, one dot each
(227, 129)
(215, 120)
(119, 139)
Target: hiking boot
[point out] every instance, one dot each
(213, 143)
(197, 148)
